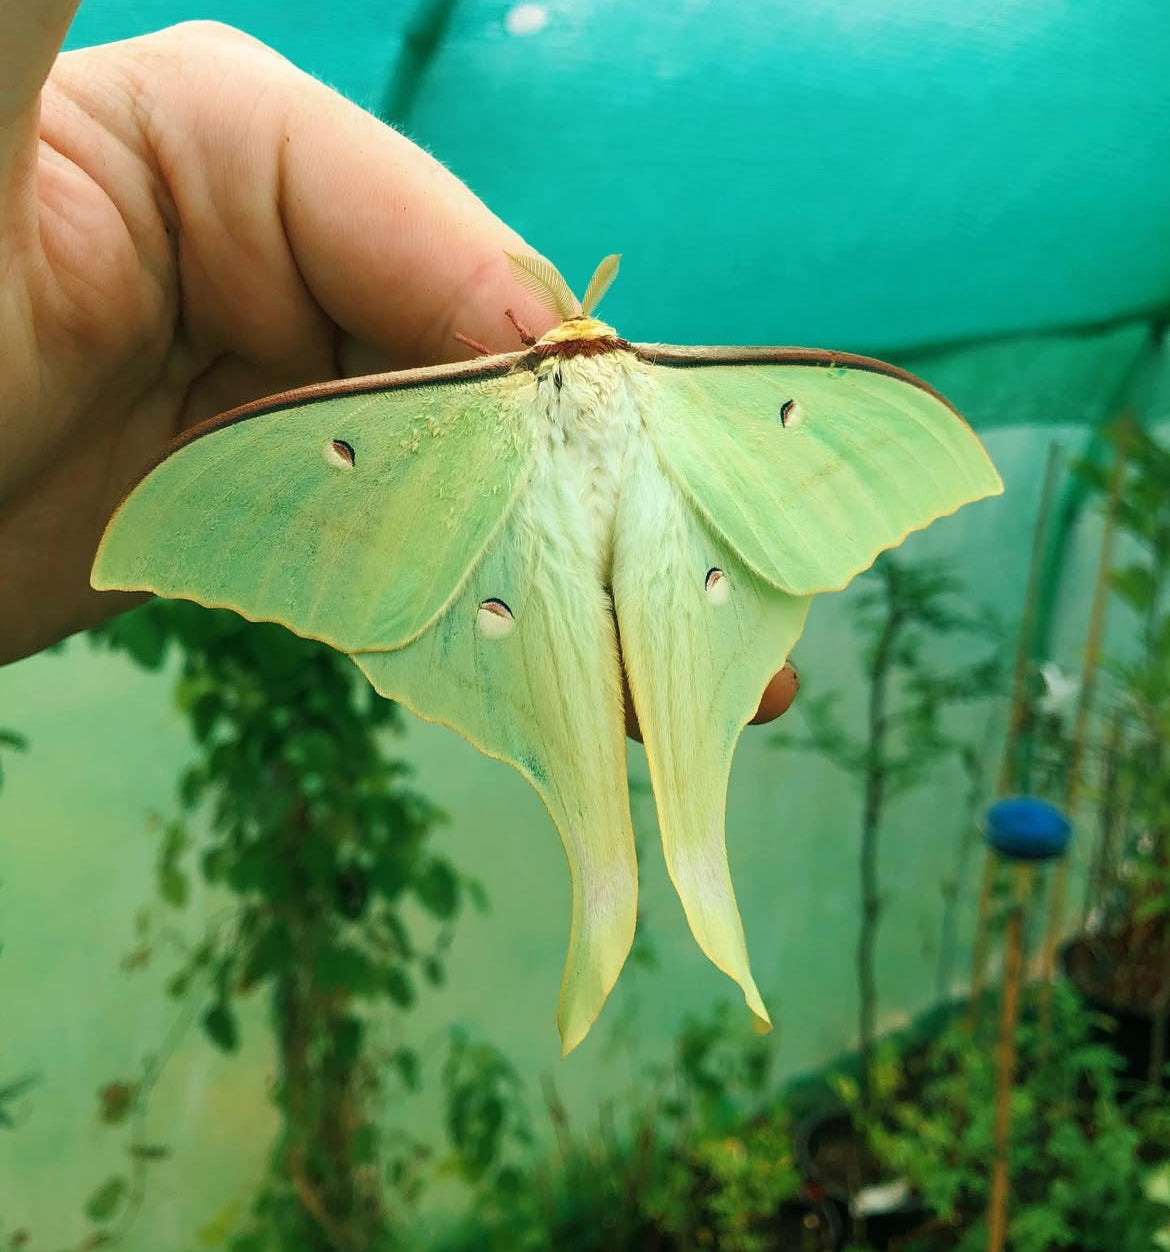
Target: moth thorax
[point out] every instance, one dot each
(579, 328)
(592, 415)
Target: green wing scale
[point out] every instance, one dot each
(809, 463)
(259, 511)
(701, 637)
(524, 664)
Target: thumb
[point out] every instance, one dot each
(31, 35)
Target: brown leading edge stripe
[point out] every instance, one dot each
(666, 355)
(398, 380)
(675, 356)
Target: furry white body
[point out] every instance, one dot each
(606, 533)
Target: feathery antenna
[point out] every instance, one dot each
(603, 275)
(544, 281)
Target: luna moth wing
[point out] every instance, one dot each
(701, 636)
(809, 463)
(349, 512)
(410, 565)
(524, 664)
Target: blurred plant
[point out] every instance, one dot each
(485, 1116)
(901, 611)
(13, 1090)
(10, 1093)
(703, 1157)
(1078, 1174)
(10, 741)
(1131, 882)
(975, 759)
(294, 810)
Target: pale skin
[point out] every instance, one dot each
(188, 223)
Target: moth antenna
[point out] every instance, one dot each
(544, 281)
(473, 344)
(599, 284)
(527, 338)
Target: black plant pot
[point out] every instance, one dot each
(879, 1225)
(809, 1226)
(1132, 1033)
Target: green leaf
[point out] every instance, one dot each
(142, 635)
(220, 1024)
(270, 952)
(102, 1204)
(1135, 585)
(205, 712)
(173, 886)
(390, 872)
(479, 896)
(365, 1144)
(215, 1232)
(117, 1099)
(405, 1061)
(437, 888)
(172, 882)
(398, 987)
(347, 1042)
(347, 968)
(192, 785)
(149, 1151)
(177, 984)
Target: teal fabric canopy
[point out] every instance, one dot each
(849, 173)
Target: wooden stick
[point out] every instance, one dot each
(1074, 766)
(997, 1209)
(1110, 818)
(1017, 718)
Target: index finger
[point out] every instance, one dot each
(389, 244)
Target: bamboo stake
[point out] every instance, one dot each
(1111, 819)
(1074, 767)
(997, 1210)
(1017, 719)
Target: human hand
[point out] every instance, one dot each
(199, 225)
(187, 223)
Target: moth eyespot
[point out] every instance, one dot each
(338, 453)
(791, 414)
(494, 619)
(716, 586)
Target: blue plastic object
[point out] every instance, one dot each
(1027, 829)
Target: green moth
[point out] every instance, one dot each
(478, 536)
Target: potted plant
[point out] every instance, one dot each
(903, 613)
(1120, 962)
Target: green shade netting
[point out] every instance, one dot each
(851, 173)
